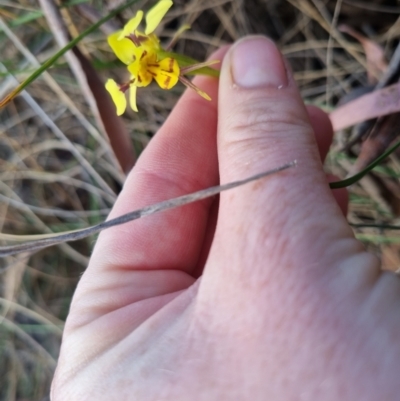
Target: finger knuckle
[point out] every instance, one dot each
(257, 118)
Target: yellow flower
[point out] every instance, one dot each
(143, 55)
(146, 68)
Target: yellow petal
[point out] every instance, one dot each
(117, 96)
(140, 70)
(131, 25)
(156, 14)
(124, 49)
(167, 73)
(132, 97)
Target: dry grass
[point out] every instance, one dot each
(57, 172)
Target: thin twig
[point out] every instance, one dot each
(137, 214)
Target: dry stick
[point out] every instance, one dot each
(53, 212)
(329, 51)
(393, 71)
(40, 225)
(71, 147)
(27, 339)
(137, 214)
(59, 134)
(318, 14)
(55, 328)
(366, 5)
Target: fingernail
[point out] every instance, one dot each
(256, 61)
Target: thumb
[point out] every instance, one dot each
(263, 124)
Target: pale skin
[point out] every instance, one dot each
(264, 296)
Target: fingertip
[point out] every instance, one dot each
(260, 114)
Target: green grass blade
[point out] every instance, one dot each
(28, 17)
(351, 180)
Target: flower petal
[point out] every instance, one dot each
(140, 69)
(131, 25)
(156, 14)
(124, 49)
(117, 96)
(167, 73)
(132, 97)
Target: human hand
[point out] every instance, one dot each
(289, 305)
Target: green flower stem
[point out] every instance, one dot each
(185, 61)
(351, 180)
(61, 52)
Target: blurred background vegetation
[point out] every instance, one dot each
(58, 170)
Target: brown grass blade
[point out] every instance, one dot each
(376, 104)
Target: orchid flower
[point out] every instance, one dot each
(145, 58)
